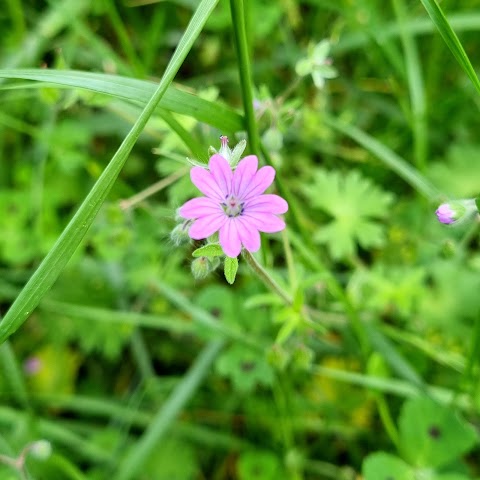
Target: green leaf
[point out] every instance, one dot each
(258, 465)
(451, 39)
(355, 203)
(138, 91)
(53, 264)
(383, 466)
(245, 368)
(433, 435)
(231, 267)
(210, 250)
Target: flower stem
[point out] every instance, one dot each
(265, 277)
(244, 66)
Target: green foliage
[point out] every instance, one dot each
(311, 365)
(354, 204)
(255, 465)
(431, 438)
(432, 435)
(245, 369)
(230, 269)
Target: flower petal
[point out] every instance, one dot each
(260, 182)
(248, 234)
(199, 207)
(267, 204)
(265, 222)
(243, 174)
(205, 182)
(229, 238)
(206, 226)
(222, 173)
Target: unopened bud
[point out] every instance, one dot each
(456, 211)
(179, 235)
(201, 267)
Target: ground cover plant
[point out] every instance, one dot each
(239, 240)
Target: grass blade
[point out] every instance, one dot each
(451, 39)
(53, 264)
(138, 91)
(390, 159)
(165, 417)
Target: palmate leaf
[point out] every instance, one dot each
(354, 203)
(133, 90)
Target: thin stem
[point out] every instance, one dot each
(152, 189)
(292, 274)
(387, 420)
(265, 277)
(245, 71)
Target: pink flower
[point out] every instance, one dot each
(234, 204)
(445, 214)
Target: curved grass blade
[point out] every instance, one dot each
(451, 39)
(53, 264)
(389, 158)
(138, 91)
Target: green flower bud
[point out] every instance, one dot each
(200, 268)
(179, 235)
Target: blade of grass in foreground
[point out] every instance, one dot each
(389, 158)
(165, 417)
(451, 39)
(53, 264)
(133, 90)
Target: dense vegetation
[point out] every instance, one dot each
(347, 347)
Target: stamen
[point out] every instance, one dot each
(224, 140)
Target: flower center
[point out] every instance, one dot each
(232, 206)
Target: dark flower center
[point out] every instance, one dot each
(232, 206)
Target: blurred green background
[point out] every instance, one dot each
(132, 368)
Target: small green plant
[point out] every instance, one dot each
(433, 438)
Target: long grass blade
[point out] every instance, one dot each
(451, 39)
(134, 90)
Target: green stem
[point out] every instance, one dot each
(245, 71)
(418, 104)
(265, 277)
(387, 420)
(123, 38)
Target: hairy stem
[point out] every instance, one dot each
(265, 277)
